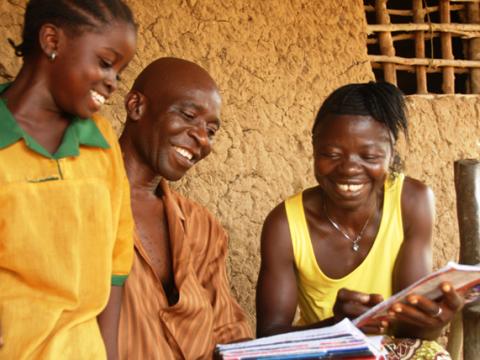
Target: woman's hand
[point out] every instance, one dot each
(352, 304)
(428, 314)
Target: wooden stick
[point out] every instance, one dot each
(453, 27)
(408, 13)
(471, 334)
(426, 62)
(455, 337)
(467, 189)
(473, 16)
(411, 68)
(385, 41)
(399, 37)
(434, 9)
(420, 72)
(408, 36)
(448, 83)
(370, 8)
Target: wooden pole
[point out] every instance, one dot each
(464, 30)
(467, 189)
(408, 36)
(448, 84)
(385, 41)
(473, 16)
(427, 62)
(421, 73)
(455, 337)
(370, 8)
(411, 69)
(427, 10)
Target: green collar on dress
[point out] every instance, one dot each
(79, 132)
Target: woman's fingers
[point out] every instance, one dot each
(375, 299)
(428, 307)
(346, 295)
(421, 311)
(354, 309)
(375, 329)
(351, 303)
(414, 315)
(444, 308)
(379, 325)
(451, 298)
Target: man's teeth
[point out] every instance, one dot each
(97, 97)
(185, 153)
(350, 187)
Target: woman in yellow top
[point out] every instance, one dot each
(363, 233)
(66, 229)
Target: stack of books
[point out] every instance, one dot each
(344, 340)
(341, 341)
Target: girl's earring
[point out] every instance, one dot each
(52, 56)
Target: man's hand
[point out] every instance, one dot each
(352, 304)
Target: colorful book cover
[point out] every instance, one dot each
(340, 341)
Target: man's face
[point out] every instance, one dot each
(178, 128)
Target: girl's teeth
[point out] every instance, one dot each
(97, 97)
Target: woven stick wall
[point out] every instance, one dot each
(418, 28)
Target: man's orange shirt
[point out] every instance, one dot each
(206, 312)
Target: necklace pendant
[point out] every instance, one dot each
(355, 247)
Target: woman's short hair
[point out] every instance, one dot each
(381, 100)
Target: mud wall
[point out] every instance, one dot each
(275, 62)
(443, 129)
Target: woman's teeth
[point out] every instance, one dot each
(100, 99)
(185, 153)
(350, 187)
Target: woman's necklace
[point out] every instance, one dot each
(355, 242)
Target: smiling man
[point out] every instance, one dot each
(176, 301)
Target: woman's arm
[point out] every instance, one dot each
(418, 215)
(276, 299)
(421, 317)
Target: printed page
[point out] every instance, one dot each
(464, 278)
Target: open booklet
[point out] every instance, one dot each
(340, 341)
(464, 278)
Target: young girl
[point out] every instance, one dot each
(363, 233)
(65, 218)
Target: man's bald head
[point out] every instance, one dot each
(165, 74)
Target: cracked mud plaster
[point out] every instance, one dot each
(275, 62)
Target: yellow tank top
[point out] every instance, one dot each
(316, 291)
